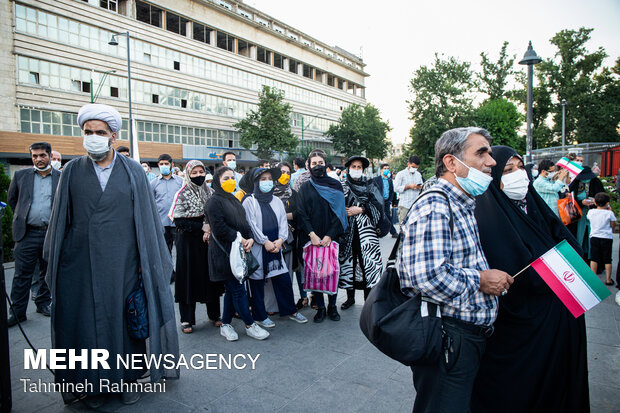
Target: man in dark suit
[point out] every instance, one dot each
(386, 187)
(31, 194)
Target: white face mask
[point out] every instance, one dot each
(47, 168)
(550, 175)
(355, 173)
(334, 175)
(232, 164)
(516, 184)
(412, 169)
(96, 144)
(534, 173)
(56, 165)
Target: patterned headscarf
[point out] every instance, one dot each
(189, 201)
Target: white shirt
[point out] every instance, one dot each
(404, 178)
(600, 223)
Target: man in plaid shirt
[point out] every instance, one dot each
(451, 269)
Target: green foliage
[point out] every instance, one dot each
(440, 101)
(610, 188)
(268, 127)
(502, 119)
(7, 218)
(494, 77)
(360, 130)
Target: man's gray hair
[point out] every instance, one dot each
(454, 142)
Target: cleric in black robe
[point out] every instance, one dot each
(536, 360)
(97, 241)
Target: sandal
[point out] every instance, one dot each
(217, 323)
(187, 328)
(609, 283)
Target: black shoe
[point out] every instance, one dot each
(394, 235)
(320, 315)
(332, 311)
(45, 310)
(94, 402)
(347, 304)
(13, 320)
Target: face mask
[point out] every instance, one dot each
(56, 165)
(475, 183)
(550, 175)
(265, 186)
(209, 184)
(232, 165)
(229, 186)
(318, 171)
(386, 173)
(333, 175)
(412, 169)
(96, 144)
(165, 170)
(355, 173)
(578, 163)
(516, 184)
(47, 168)
(534, 173)
(284, 179)
(198, 180)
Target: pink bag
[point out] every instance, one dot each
(321, 268)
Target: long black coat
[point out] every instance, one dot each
(226, 217)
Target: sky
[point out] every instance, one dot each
(396, 37)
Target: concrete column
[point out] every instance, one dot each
(9, 112)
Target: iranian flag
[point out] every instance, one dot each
(570, 278)
(572, 167)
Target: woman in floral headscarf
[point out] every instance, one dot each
(192, 270)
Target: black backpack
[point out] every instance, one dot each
(407, 329)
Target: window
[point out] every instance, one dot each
(225, 41)
(79, 86)
(202, 33)
(331, 80)
(263, 55)
(341, 85)
(148, 14)
(243, 48)
(147, 58)
(292, 66)
(307, 71)
(176, 24)
(113, 91)
(318, 75)
(108, 4)
(155, 98)
(278, 60)
(183, 103)
(33, 78)
(177, 65)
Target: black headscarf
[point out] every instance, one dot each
(523, 351)
(229, 199)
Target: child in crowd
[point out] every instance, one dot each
(602, 222)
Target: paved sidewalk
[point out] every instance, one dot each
(328, 367)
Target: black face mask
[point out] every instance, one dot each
(198, 180)
(318, 171)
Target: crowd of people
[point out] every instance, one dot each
(106, 226)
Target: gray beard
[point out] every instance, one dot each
(97, 157)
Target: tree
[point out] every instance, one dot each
(269, 126)
(502, 119)
(360, 130)
(494, 77)
(591, 91)
(7, 218)
(440, 101)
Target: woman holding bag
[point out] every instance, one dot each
(227, 217)
(267, 217)
(321, 219)
(192, 269)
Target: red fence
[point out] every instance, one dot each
(610, 161)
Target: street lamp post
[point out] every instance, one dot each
(133, 145)
(530, 59)
(304, 128)
(563, 103)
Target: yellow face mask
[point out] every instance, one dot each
(284, 179)
(229, 186)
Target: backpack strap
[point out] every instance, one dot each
(392, 257)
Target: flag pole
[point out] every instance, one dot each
(515, 276)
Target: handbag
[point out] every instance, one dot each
(569, 209)
(136, 313)
(242, 264)
(407, 329)
(321, 268)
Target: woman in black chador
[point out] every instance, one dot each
(536, 360)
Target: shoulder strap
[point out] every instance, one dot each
(401, 234)
(220, 245)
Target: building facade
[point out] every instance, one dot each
(197, 67)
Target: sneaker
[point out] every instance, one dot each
(266, 323)
(226, 330)
(299, 318)
(256, 332)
